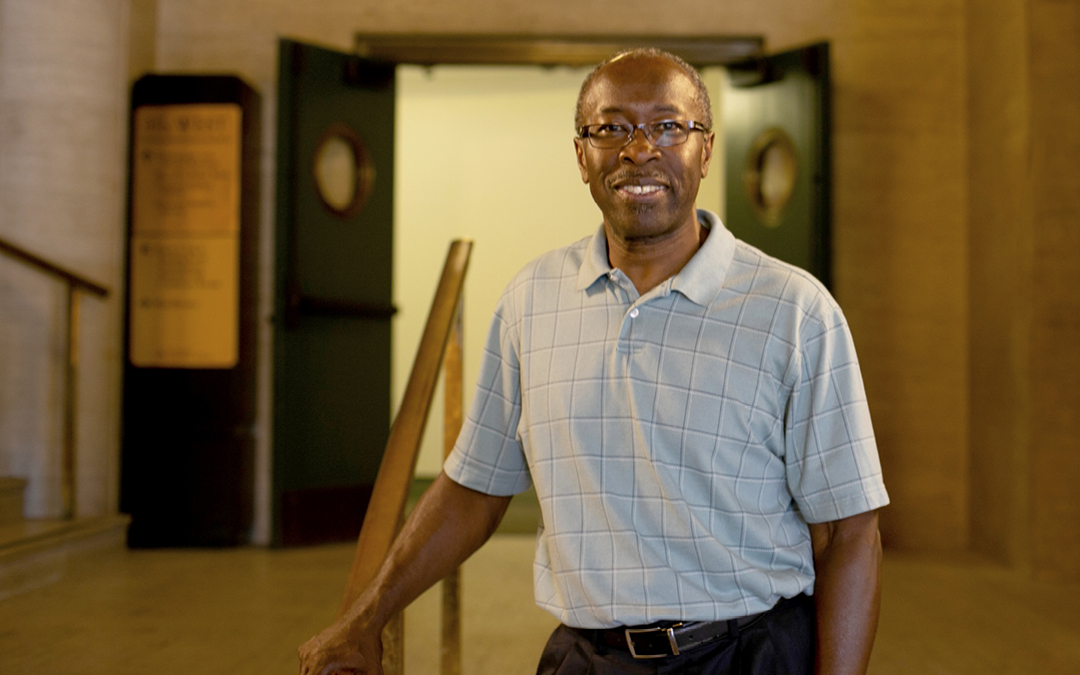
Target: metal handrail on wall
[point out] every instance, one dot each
(440, 346)
(74, 283)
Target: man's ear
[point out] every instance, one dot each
(706, 153)
(579, 150)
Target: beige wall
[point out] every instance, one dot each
(1025, 305)
(1002, 257)
(484, 154)
(1055, 331)
(900, 253)
(63, 112)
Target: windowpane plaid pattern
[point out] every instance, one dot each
(678, 441)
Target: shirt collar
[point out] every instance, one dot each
(595, 264)
(699, 280)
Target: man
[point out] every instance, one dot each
(692, 416)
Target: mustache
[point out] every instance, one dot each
(632, 174)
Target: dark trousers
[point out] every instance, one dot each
(779, 642)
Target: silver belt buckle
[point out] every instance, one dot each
(670, 631)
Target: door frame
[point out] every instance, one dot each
(744, 56)
(430, 49)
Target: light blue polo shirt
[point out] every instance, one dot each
(679, 441)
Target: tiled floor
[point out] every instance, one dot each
(245, 611)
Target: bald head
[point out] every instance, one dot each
(626, 57)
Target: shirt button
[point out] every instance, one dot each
(634, 313)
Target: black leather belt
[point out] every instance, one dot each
(666, 639)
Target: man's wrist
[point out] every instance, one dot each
(368, 616)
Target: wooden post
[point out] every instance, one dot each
(71, 393)
(393, 640)
(450, 661)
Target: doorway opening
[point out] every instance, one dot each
(486, 152)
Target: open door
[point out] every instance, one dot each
(776, 143)
(333, 274)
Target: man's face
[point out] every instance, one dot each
(644, 191)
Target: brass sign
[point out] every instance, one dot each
(185, 236)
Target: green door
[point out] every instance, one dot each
(776, 136)
(331, 363)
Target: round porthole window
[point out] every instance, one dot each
(343, 175)
(769, 177)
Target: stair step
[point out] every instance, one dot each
(35, 553)
(11, 499)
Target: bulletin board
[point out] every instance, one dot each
(185, 236)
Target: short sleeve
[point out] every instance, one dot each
(833, 469)
(488, 456)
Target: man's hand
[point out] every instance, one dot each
(332, 652)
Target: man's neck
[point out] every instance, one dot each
(650, 262)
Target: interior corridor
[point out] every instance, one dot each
(245, 610)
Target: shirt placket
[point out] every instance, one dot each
(634, 306)
(630, 302)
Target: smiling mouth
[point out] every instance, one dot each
(642, 189)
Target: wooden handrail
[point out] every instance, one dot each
(387, 506)
(80, 282)
(73, 283)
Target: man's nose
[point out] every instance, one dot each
(637, 150)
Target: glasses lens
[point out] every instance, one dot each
(607, 135)
(668, 133)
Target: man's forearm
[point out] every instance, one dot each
(448, 524)
(847, 593)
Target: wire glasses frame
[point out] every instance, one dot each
(663, 134)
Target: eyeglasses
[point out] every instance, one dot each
(663, 134)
